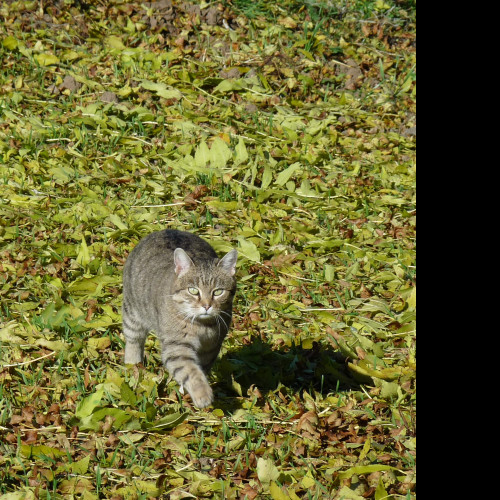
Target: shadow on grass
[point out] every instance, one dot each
(295, 368)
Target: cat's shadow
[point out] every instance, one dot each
(258, 367)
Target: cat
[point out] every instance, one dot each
(174, 284)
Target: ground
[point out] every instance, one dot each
(287, 131)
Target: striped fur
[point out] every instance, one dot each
(174, 284)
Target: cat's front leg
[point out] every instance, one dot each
(182, 363)
(199, 389)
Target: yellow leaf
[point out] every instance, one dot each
(53, 345)
(41, 451)
(381, 5)
(248, 249)
(288, 22)
(308, 481)
(81, 466)
(83, 257)
(202, 155)
(267, 471)
(365, 450)
(99, 343)
(412, 300)
(236, 387)
(241, 153)
(10, 43)
(286, 175)
(225, 137)
(46, 59)
(115, 42)
(277, 493)
(220, 154)
(267, 177)
(77, 485)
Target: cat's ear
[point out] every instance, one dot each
(183, 262)
(228, 263)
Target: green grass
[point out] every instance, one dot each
(305, 162)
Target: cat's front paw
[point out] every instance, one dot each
(202, 396)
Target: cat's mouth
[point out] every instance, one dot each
(206, 318)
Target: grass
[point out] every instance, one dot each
(303, 158)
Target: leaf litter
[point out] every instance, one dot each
(287, 131)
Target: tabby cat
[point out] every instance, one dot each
(174, 284)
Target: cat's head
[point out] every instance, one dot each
(204, 291)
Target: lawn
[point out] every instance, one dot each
(284, 129)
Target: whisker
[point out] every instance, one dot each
(218, 323)
(225, 324)
(186, 316)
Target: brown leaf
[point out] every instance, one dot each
(199, 192)
(109, 97)
(308, 424)
(360, 352)
(108, 424)
(354, 74)
(366, 29)
(70, 83)
(86, 378)
(288, 22)
(16, 419)
(231, 73)
(299, 449)
(112, 440)
(248, 492)
(11, 438)
(252, 460)
(28, 413)
(54, 408)
(218, 470)
(212, 16)
(254, 391)
(41, 419)
(369, 493)
(334, 419)
(30, 436)
(281, 260)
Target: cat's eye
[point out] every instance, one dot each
(218, 292)
(193, 291)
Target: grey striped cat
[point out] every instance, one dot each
(174, 284)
